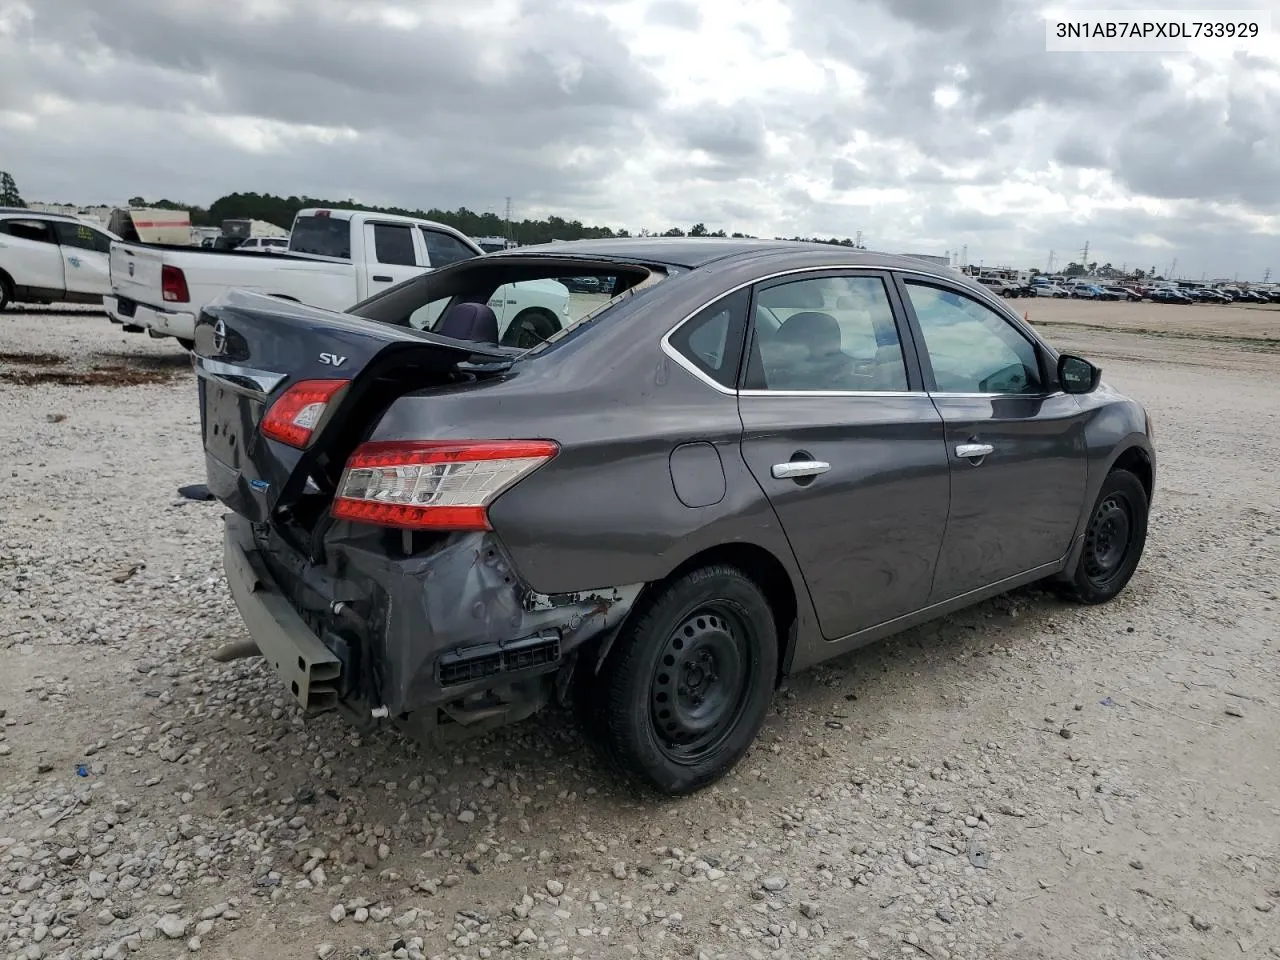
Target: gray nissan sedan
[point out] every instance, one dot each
(745, 458)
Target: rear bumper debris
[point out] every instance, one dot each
(307, 667)
(448, 636)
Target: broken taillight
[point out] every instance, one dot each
(434, 485)
(292, 419)
(173, 285)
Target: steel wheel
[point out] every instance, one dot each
(684, 690)
(1114, 540)
(700, 683)
(1107, 542)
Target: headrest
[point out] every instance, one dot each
(820, 332)
(470, 321)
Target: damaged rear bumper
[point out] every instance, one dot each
(445, 635)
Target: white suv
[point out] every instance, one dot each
(52, 258)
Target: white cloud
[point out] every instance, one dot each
(926, 124)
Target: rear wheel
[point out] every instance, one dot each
(530, 328)
(1113, 541)
(6, 292)
(685, 688)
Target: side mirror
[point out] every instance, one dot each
(1077, 375)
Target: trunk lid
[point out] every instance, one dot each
(250, 349)
(135, 273)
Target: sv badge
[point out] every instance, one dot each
(332, 359)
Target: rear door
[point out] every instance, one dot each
(1015, 441)
(842, 438)
(85, 257)
(30, 253)
(391, 254)
(443, 249)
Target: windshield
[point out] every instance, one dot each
(324, 236)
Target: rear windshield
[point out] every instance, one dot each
(324, 236)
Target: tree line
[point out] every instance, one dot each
(281, 211)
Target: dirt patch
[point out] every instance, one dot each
(32, 359)
(97, 376)
(110, 370)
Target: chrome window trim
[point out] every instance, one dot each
(689, 365)
(833, 393)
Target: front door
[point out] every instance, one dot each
(1015, 441)
(847, 446)
(86, 258)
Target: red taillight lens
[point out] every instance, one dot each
(293, 417)
(434, 485)
(173, 285)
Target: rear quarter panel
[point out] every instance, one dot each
(605, 511)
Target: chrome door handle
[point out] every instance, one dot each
(799, 468)
(968, 451)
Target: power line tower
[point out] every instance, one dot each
(1266, 275)
(508, 218)
(1084, 257)
(1050, 270)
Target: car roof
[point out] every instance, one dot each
(26, 212)
(694, 252)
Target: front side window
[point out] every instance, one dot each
(443, 249)
(393, 245)
(971, 347)
(826, 334)
(82, 236)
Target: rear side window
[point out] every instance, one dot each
(393, 245)
(712, 340)
(36, 230)
(443, 249)
(322, 236)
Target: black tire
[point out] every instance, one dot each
(688, 681)
(530, 328)
(6, 293)
(1114, 540)
(187, 345)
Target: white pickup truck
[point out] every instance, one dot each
(335, 259)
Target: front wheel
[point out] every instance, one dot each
(6, 293)
(685, 688)
(1113, 541)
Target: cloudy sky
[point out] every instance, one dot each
(929, 125)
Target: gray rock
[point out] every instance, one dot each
(555, 887)
(172, 926)
(774, 882)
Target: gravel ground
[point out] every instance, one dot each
(1025, 779)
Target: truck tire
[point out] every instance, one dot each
(530, 328)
